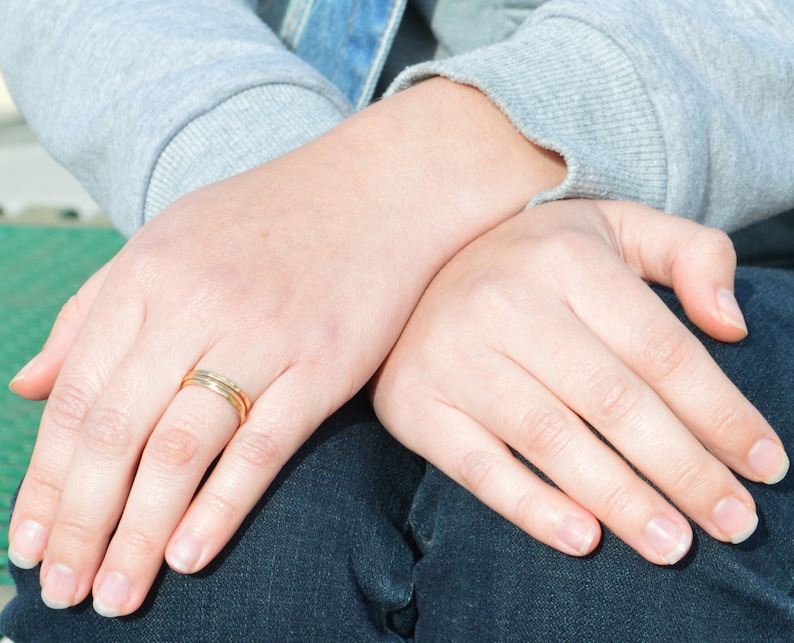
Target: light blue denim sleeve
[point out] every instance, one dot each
(107, 85)
(685, 105)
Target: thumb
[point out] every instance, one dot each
(697, 262)
(36, 379)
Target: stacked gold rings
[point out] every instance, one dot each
(228, 389)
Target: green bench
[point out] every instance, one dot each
(41, 268)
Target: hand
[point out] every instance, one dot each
(546, 320)
(292, 280)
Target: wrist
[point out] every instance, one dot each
(466, 165)
(407, 182)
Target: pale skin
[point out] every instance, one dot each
(547, 319)
(295, 280)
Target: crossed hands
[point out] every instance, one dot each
(541, 322)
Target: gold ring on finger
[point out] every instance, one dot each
(221, 385)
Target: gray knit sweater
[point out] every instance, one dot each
(684, 105)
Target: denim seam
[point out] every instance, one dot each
(348, 34)
(295, 23)
(376, 66)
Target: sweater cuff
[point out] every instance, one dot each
(246, 130)
(568, 88)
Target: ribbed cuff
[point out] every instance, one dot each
(570, 89)
(246, 130)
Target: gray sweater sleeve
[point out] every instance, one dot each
(685, 105)
(109, 85)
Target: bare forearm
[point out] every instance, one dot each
(432, 168)
(462, 163)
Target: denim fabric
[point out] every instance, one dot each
(479, 579)
(324, 556)
(357, 542)
(767, 243)
(347, 42)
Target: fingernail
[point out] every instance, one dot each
(21, 375)
(668, 539)
(112, 596)
(59, 588)
(27, 547)
(576, 534)
(734, 519)
(729, 309)
(768, 461)
(185, 553)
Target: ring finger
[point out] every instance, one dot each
(197, 426)
(110, 449)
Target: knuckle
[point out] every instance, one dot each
(616, 501)
(223, 508)
(78, 533)
(727, 426)
(142, 267)
(257, 449)
(68, 407)
(45, 487)
(559, 246)
(321, 339)
(690, 478)
(490, 290)
(441, 335)
(714, 243)
(71, 311)
(543, 431)
(142, 543)
(475, 469)
(218, 290)
(272, 304)
(665, 352)
(107, 433)
(525, 509)
(615, 395)
(403, 399)
(175, 446)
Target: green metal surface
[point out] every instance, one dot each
(41, 267)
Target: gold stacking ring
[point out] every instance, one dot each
(218, 383)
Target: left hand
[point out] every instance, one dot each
(294, 280)
(546, 320)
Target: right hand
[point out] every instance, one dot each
(546, 320)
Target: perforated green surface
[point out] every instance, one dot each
(40, 268)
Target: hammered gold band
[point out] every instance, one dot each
(222, 386)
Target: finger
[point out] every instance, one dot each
(522, 412)
(281, 420)
(194, 429)
(641, 426)
(190, 435)
(679, 369)
(103, 462)
(100, 343)
(36, 379)
(479, 461)
(699, 263)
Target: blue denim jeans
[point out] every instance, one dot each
(359, 540)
